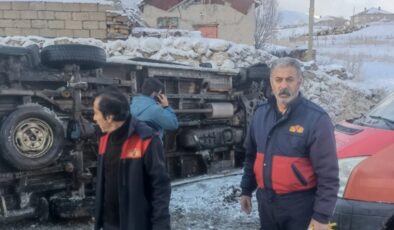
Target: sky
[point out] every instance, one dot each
(343, 8)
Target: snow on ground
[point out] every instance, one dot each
(211, 204)
(206, 205)
(377, 30)
(214, 204)
(294, 32)
(366, 53)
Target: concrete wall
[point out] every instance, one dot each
(53, 19)
(232, 24)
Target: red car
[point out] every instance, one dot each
(365, 148)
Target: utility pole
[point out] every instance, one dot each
(310, 37)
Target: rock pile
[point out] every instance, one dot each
(329, 86)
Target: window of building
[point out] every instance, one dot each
(167, 22)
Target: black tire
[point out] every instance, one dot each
(31, 137)
(86, 56)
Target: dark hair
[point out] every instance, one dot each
(151, 85)
(113, 102)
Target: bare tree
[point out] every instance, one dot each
(266, 21)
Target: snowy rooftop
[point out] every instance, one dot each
(328, 18)
(374, 10)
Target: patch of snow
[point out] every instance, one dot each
(219, 45)
(374, 10)
(365, 53)
(219, 57)
(377, 30)
(183, 43)
(132, 43)
(131, 4)
(294, 32)
(150, 45)
(212, 204)
(163, 33)
(199, 46)
(227, 64)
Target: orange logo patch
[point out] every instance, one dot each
(134, 153)
(296, 129)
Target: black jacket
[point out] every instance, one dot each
(144, 185)
(293, 153)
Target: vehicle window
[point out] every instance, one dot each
(385, 109)
(382, 116)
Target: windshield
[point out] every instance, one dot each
(382, 115)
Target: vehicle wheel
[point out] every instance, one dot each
(31, 137)
(86, 56)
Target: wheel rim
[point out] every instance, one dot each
(33, 137)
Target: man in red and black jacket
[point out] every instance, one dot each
(290, 157)
(133, 188)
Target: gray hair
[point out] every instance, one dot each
(287, 62)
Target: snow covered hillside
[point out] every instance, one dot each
(366, 53)
(289, 18)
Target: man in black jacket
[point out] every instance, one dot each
(133, 187)
(290, 157)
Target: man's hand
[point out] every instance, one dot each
(315, 225)
(163, 100)
(246, 204)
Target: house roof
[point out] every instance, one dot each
(161, 4)
(374, 10)
(329, 18)
(239, 5)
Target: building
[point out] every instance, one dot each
(87, 19)
(371, 15)
(331, 21)
(232, 20)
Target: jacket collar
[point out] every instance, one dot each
(291, 106)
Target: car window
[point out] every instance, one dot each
(384, 109)
(381, 116)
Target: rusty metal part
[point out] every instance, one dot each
(33, 137)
